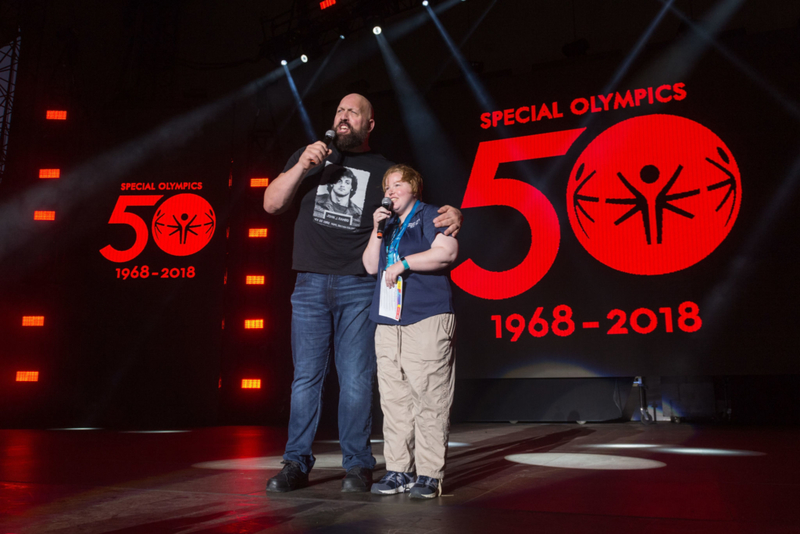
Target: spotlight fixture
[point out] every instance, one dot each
(375, 22)
(343, 28)
(425, 3)
(304, 58)
(283, 62)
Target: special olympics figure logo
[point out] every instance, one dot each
(184, 224)
(654, 194)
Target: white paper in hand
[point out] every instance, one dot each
(391, 301)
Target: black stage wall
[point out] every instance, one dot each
(618, 222)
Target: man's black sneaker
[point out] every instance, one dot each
(290, 478)
(357, 479)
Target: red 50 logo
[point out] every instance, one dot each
(182, 225)
(650, 195)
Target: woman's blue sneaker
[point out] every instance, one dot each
(393, 482)
(426, 488)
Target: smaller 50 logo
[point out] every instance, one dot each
(182, 225)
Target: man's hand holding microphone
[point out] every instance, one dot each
(315, 153)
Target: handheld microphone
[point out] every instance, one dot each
(386, 202)
(328, 138)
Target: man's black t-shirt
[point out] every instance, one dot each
(332, 228)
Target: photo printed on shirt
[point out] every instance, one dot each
(340, 197)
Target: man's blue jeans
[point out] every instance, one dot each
(329, 307)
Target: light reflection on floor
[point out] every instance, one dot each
(621, 446)
(77, 428)
(564, 460)
(324, 461)
(376, 441)
(699, 451)
(568, 460)
(608, 474)
(707, 452)
(153, 431)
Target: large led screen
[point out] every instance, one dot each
(628, 223)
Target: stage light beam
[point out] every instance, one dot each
(308, 87)
(618, 75)
(478, 90)
(309, 129)
(424, 131)
(679, 59)
(706, 32)
(636, 50)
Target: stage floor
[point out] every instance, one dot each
(501, 478)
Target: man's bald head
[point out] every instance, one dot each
(362, 102)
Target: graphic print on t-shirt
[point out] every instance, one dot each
(340, 198)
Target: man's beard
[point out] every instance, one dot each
(349, 141)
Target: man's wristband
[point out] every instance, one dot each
(405, 264)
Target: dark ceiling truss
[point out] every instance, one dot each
(10, 43)
(304, 28)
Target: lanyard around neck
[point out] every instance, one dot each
(392, 256)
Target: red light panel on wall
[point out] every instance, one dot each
(255, 280)
(251, 383)
(326, 4)
(33, 320)
(258, 232)
(259, 182)
(56, 115)
(49, 173)
(27, 376)
(253, 324)
(44, 216)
